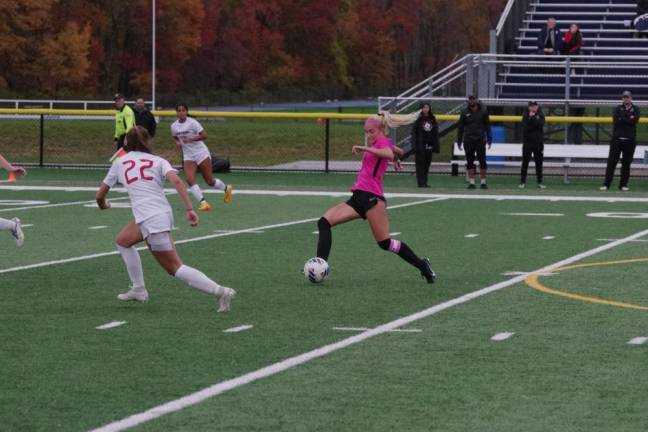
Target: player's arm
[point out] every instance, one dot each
(200, 137)
(181, 188)
(383, 153)
(102, 202)
(6, 165)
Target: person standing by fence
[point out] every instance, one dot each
(425, 141)
(144, 117)
(533, 122)
(624, 140)
(473, 126)
(124, 120)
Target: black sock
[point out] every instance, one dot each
(408, 255)
(325, 239)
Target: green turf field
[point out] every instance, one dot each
(566, 364)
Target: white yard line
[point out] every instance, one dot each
(534, 214)
(292, 362)
(471, 235)
(194, 239)
(111, 324)
(502, 336)
(611, 240)
(65, 204)
(640, 340)
(238, 329)
(362, 329)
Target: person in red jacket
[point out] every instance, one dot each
(572, 41)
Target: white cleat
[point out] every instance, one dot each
(17, 232)
(522, 185)
(225, 299)
(541, 186)
(140, 295)
(624, 188)
(603, 188)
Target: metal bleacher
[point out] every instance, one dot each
(612, 58)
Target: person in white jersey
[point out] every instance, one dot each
(189, 136)
(143, 175)
(13, 225)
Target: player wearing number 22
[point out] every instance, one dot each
(368, 201)
(143, 175)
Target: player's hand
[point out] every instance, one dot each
(192, 217)
(104, 205)
(490, 142)
(397, 165)
(20, 171)
(357, 149)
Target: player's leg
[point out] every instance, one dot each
(377, 218)
(470, 163)
(483, 165)
(205, 168)
(626, 160)
(339, 214)
(538, 157)
(190, 167)
(163, 250)
(613, 159)
(15, 228)
(526, 157)
(126, 240)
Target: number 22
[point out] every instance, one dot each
(146, 163)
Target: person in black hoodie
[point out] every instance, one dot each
(624, 141)
(425, 141)
(473, 125)
(533, 122)
(144, 117)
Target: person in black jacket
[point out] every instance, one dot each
(425, 141)
(473, 126)
(550, 39)
(532, 142)
(624, 141)
(144, 117)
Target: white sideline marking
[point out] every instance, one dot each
(553, 198)
(518, 273)
(98, 227)
(534, 214)
(229, 231)
(638, 340)
(26, 225)
(502, 336)
(194, 239)
(111, 324)
(92, 203)
(548, 237)
(611, 240)
(361, 329)
(394, 234)
(291, 362)
(113, 205)
(315, 232)
(471, 235)
(238, 329)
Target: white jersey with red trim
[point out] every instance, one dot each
(143, 175)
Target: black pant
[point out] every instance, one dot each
(475, 149)
(423, 161)
(537, 150)
(624, 149)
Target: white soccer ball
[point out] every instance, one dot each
(316, 270)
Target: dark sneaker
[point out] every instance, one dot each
(471, 186)
(483, 186)
(427, 271)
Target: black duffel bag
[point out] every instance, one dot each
(220, 165)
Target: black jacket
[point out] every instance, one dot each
(558, 42)
(473, 125)
(625, 122)
(425, 135)
(145, 119)
(532, 128)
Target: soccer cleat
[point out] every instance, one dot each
(603, 188)
(624, 188)
(471, 186)
(541, 186)
(483, 186)
(427, 271)
(140, 295)
(17, 232)
(522, 186)
(228, 194)
(204, 206)
(225, 299)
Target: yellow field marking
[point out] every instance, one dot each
(532, 281)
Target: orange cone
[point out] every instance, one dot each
(12, 177)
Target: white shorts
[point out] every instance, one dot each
(161, 222)
(196, 152)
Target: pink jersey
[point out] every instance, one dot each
(371, 174)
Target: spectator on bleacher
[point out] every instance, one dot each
(533, 122)
(124, 120)
(473, 126)
(144, 117)
(640, 22)
(572, 41)
(624, 141)
(425, 141)
(550, 39)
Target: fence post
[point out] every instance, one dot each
(42, 140)
(327, 144)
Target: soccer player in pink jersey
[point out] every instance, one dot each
(368, 201)
(143, 175)
(13, 225)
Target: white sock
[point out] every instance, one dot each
(196, 192)
(7, 225)
(483, 181)
(133, 266)
(197, 279)
(218, 184)
(471, 181)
